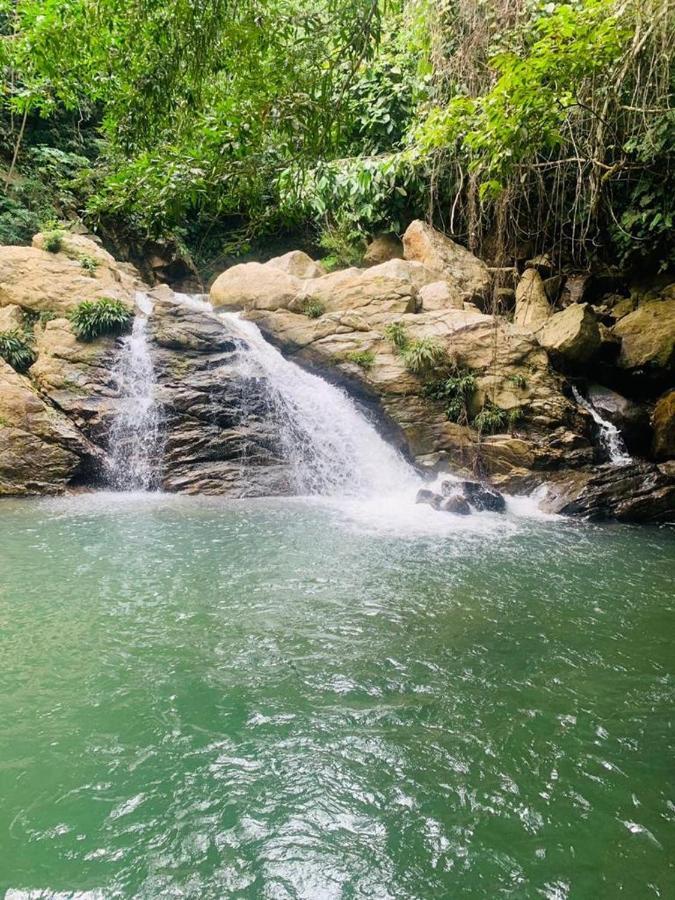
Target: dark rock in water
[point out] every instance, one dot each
(640, 493)
(217, 434)
(482, 497)
(455, 504)
(632, 419)
(424, 495)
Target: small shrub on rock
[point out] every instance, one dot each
(397, 334)
(423, 355)
(93, 318)
(362, 358)
(16, 350)
(89, 264)
(491, 419)
(313, 309)
(53, 240)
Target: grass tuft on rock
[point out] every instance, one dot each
(94, 318)
(422, 356)
(313, 309)
(363, 358)
(16, 350)
(53, 240)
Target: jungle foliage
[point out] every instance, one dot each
(510, 123)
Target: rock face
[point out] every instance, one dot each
(572, 335)
(642, 492)
(298, 264)
(37, 280)
(40, 450)
(218, 436)
(532, 306)
(648, 338)
(465, 273)
(631, 418)
(383, 248)
(663, 422)
(439, 295)
(255, 286)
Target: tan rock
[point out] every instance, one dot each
(383, 248)
(648, 337)
(663, 423)
(78, 245)
(40, 450)
(11, 318)
(255, 286)
(464, 272)
(532, 306)
(53, 282)
(298, 264)
(572, 335)
(381, 290)
(439, 295)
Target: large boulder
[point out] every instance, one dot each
(40, 450)
(631, 418)
(640, 493)
(390, 288)
(648, 338)
(439, 295)
(571, 336)
(255, 286)
(383, 248)
(37, 280)
(297, 263)
(663, 423)
(464, 272)
(532, 306)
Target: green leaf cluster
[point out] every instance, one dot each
(92, 318)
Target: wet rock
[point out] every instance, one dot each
(631, 418)
(483, 497)
(572, 336)
(424, 495)
(463, 271)
(455, 504)
(637, 493)
(383, 248)
(663, 422)
(532, 306)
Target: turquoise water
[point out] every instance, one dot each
(280, 699)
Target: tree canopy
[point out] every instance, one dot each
(515, 122)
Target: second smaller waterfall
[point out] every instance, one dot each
(134, 435)
(610, 436)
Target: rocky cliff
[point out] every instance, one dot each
(466, 374)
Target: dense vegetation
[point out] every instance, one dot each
(514, 124)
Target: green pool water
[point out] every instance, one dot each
(285, 699)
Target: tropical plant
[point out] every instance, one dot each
(89, 264)
(491, 419)
(93, 318)
(53, 241)
(397, 334)
(365, 359)
(422, 356)
(16, 350)
(455, 391)
(313, 309)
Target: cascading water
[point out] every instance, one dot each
(610, 436)
(331, 447)
(134, 435)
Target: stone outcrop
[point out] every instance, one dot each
(572, 335)
(255, 286)
(643, 492)
(36, 280)
(532, 306)
(40, 449)
(383, 248)
(648, 339)
(663, 423)
(297, 263)
(465, 273)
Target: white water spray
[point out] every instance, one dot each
(331, 447)
(610, 436)
(134, 435)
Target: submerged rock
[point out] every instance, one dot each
(483, 497)
(455, 504)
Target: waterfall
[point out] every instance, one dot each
(329, 444)
(134, 435)
(610, 436)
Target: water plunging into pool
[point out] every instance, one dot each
(610, 436)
